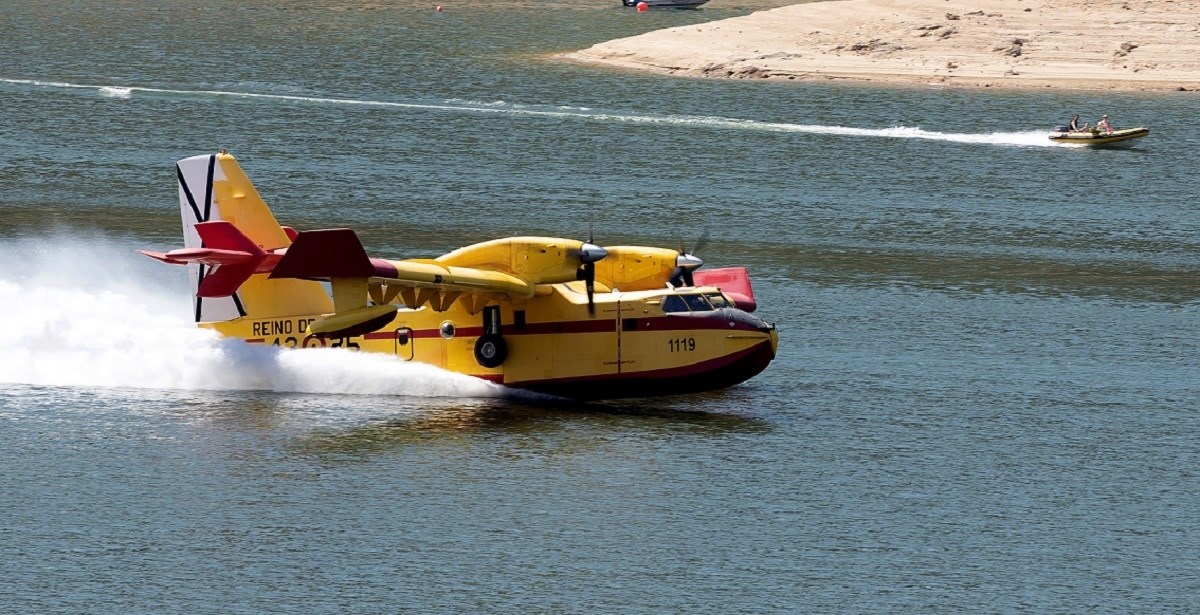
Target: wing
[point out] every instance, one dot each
(338, 256)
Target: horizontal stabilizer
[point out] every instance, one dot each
(225, 236)
(733, 281)
(328, 253)
(208, 256)
(233, 256)
(354, 322)
(162, 256)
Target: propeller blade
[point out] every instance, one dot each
(588, 254)
(699, 247)
(589, 281)
(676, 278)
(587, 273)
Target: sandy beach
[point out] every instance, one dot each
(1074, 44)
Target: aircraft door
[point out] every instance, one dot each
(643, 345)
(403, 339)
(626, 323)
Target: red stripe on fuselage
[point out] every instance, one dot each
(569, 326)
(657, 323)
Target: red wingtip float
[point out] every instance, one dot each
(560, 316)
(733, 281)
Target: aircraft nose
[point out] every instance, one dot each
(590, 253)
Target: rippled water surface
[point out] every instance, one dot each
(985, 397)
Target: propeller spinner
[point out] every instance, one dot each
(686, 263)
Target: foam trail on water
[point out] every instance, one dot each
(1035, 138)
(87, 312)
(116, 92)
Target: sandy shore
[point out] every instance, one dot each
(1076, 44)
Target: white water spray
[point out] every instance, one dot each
(88, 312)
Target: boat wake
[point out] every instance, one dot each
(88, 313)
(1034, 138)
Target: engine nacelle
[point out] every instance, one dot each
(540, 260)
(631, 268)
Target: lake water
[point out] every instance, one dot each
(985, 399)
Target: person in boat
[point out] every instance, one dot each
(1075, 124)
(1103, 125)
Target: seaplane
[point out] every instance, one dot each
(558, 316)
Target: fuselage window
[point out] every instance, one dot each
(674, 303)
(698, 303)
(718, 301)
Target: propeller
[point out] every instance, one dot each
(687, 262)
(588, 254)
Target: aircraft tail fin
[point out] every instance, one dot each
(225, 218)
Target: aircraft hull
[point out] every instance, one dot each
(628, 348)
(712, 375)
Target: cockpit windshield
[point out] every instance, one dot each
(694, 303)
(673, 303)
(718, 301)
(697, 303)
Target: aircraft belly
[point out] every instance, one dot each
(665, 355)
(713, 374)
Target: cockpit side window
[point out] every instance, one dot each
(673, 303)
(718, 301)
(697, 302)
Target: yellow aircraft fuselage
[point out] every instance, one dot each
(630, 347)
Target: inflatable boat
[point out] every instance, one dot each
(1097, 138)
(675, 4)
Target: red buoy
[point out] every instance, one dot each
(642, 6)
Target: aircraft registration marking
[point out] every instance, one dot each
(682, 344)
(289, 333)
(267, 328)
(309, 341)
(315, 341)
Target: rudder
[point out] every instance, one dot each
(213, 187)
